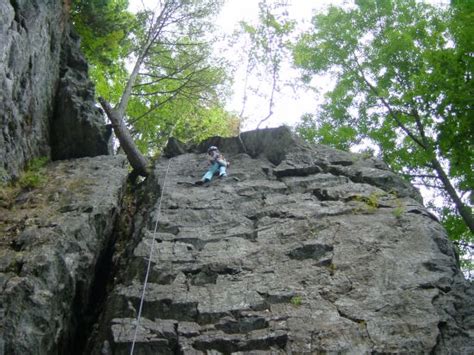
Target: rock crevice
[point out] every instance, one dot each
(52, 244)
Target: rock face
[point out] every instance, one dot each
(46, 100)
(302, 249)
(52, 244)
(77, 127)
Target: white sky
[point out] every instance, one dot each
(290, 104)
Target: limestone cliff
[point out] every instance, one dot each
(302, 249)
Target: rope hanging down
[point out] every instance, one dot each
(158, 215)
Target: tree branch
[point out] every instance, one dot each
(463, 210)
(425, 176)
(271, 103)
(385, 103)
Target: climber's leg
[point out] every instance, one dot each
(222, 171)
(210, 173)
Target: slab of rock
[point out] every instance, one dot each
(302, 249)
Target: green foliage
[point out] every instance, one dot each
(34, 175)
(179, 89)
(371, 203)
(182, 89)
(296, 301)
(462, 237)
(103, 26)
(312, 130)
(403, 81)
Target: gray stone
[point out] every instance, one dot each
(77, 127)
(174, 148)
(291, 258)
(48, 266)
(38, 59)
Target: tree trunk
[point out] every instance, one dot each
(138, 162)
(463, 210)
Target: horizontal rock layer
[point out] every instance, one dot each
(302, 249)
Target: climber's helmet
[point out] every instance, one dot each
(211, 148)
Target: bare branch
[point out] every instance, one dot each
(464, 244)
(271, 103)
(425, 176)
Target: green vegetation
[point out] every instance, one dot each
(399, 210)
(296, 300)
(172, 84)
(370, 203)
(34, 175)
(403, 82)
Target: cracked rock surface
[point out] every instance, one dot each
(302, 249)
(47, 105)
(51, 244)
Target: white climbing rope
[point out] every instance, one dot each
(158, 215)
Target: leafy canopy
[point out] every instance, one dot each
(403, 82)
(104, 27)
(178, 87)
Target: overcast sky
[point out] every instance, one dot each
(290, 104)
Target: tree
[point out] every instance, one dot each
(173, 86)
(104, 27)
(403, 81)
(267, 48)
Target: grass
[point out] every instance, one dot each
(33, 177)
(371, 202)
(296, 301)
(399, 210)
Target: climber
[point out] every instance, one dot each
(217, 164)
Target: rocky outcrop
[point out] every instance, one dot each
(77, 127)
(38, 57)
(302, 249)
(53, 245)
